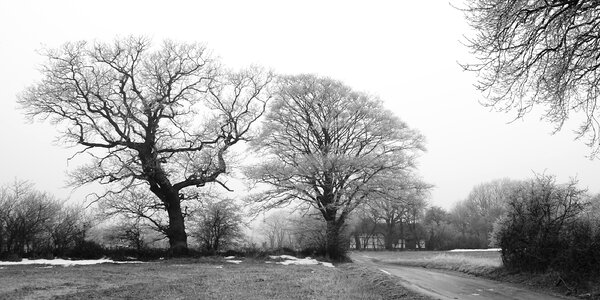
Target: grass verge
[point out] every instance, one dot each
(211, 278)
(489, 265)
(478, 266)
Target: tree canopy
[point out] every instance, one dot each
(539, 53)
(324, 145)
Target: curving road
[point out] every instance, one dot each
(450, 285)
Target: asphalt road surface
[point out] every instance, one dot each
(450, 285)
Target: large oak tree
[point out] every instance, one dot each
(325, 145)
(160, 116)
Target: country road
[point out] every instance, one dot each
(450, 285)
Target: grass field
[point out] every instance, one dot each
(210, 278)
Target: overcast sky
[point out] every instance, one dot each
(406, 52)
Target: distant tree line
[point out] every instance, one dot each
(469, 223)
(394, 214)
(538, 223)
(35, 224)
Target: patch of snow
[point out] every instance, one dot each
(291, 260)
(64, 262)
(234, 261)
(476, 250)
(230, 257)
(288, 257)
(384, 271)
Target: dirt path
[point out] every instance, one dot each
(450, 285)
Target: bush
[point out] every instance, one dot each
(87, 250)
(6, 256)
(580, 250)
(544, 229)
(34, 224)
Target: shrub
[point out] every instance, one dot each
(544, 228)
(218, 225)
(87, 250)
(35, 224)
(6, 256)
(580, 250)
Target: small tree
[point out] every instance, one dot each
(68, 227)
(277, 229)
(310, 233)
(218, 225)
(134, 234)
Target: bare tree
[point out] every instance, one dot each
(323, 145)
(537, 230)
(475, 216)
(139, 206)
(398, 204)
(362, 227)
(593, 212)
(67, 228)
(5, 208)
(309, 232)
(164, 116)
(277, 229)
(26, 215)
(218, 224)
(132, 233)
(539, 53)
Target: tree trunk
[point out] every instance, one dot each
(176, 232)
(1, 239)
(334, 249)
(357, 241)
(389, 237)
(403, 246)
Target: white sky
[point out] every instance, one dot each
(406, 52)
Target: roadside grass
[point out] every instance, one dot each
(488, 264)
(474, 263)
(210, 278)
